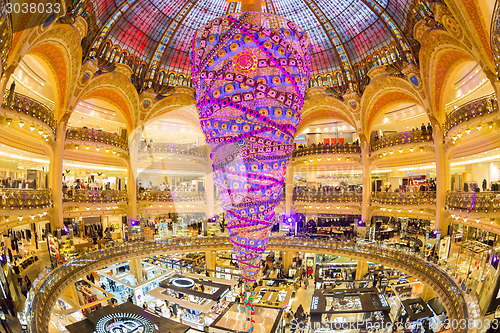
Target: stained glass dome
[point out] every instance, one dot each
(347, 35)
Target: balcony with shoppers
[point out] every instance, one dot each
(397, 136)
(326, 143)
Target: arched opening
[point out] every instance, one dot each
(35, 80)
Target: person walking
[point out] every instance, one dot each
(11, 91)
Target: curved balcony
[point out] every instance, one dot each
(401, 138)
(49, 286)
(173, 148)
(476, 108)
(96, 196)
(404, 198)
(155, 195)
(19, 199)
(327, 197)
(97, 136)
(31, 107)
(472, 201)
(327, 149)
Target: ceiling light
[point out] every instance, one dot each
(21, 124)
(467, 131)
(479, 127)
(32, 128)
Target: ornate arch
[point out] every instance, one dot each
(384, 92)
(116, 89)
(58, 47)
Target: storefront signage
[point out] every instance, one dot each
(182, 282)
(383, 300)
(314, 303)
(124, 323)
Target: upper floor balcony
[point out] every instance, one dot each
(173, 148)
(325, 196)
(94, 196)
(34, 109)
(476, 108)
(404, 198)
(25, 199)
(99, 137)
(339, 148)
(168, 196)
(473, 201)
(400, 139)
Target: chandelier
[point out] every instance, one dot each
(250, 71)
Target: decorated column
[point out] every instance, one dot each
(250, 83)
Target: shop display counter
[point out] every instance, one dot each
(126, 317)
(338, 311)
(233, 319)
(273, 297)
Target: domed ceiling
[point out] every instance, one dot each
(343, 32)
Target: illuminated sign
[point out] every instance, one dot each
(182, 282)
(314, 303)
(124, 323)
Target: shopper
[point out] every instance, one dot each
(174, 310)
(11, 91)
(129, 299)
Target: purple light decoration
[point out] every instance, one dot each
(250, 83)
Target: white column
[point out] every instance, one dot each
(442, 179)
(366, 182)
(55, 175)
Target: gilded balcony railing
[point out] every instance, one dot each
(46, 289)
(401, 138)
(173, 148)
(405, 198)
(347, 196)
(473, 201)
(93, 135)
(341, 148)
(5, 32)
(15, 198)
(79, 195)
(29, 106)
(476, 108)
(495, 36)
(155, 195)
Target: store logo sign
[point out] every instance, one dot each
(314, 303)
(124, 323)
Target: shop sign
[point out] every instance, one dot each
(314, 303)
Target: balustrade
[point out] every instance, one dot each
(5, 32)
(473, 201)
(87, 134)
(15, 198)
(155, 195)
(401, 138)
(45, 290)
(342, 148)
(173, 148)
(306, 196)
(476, 108)
(29, 106)
(405, 198)
(80, 195)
